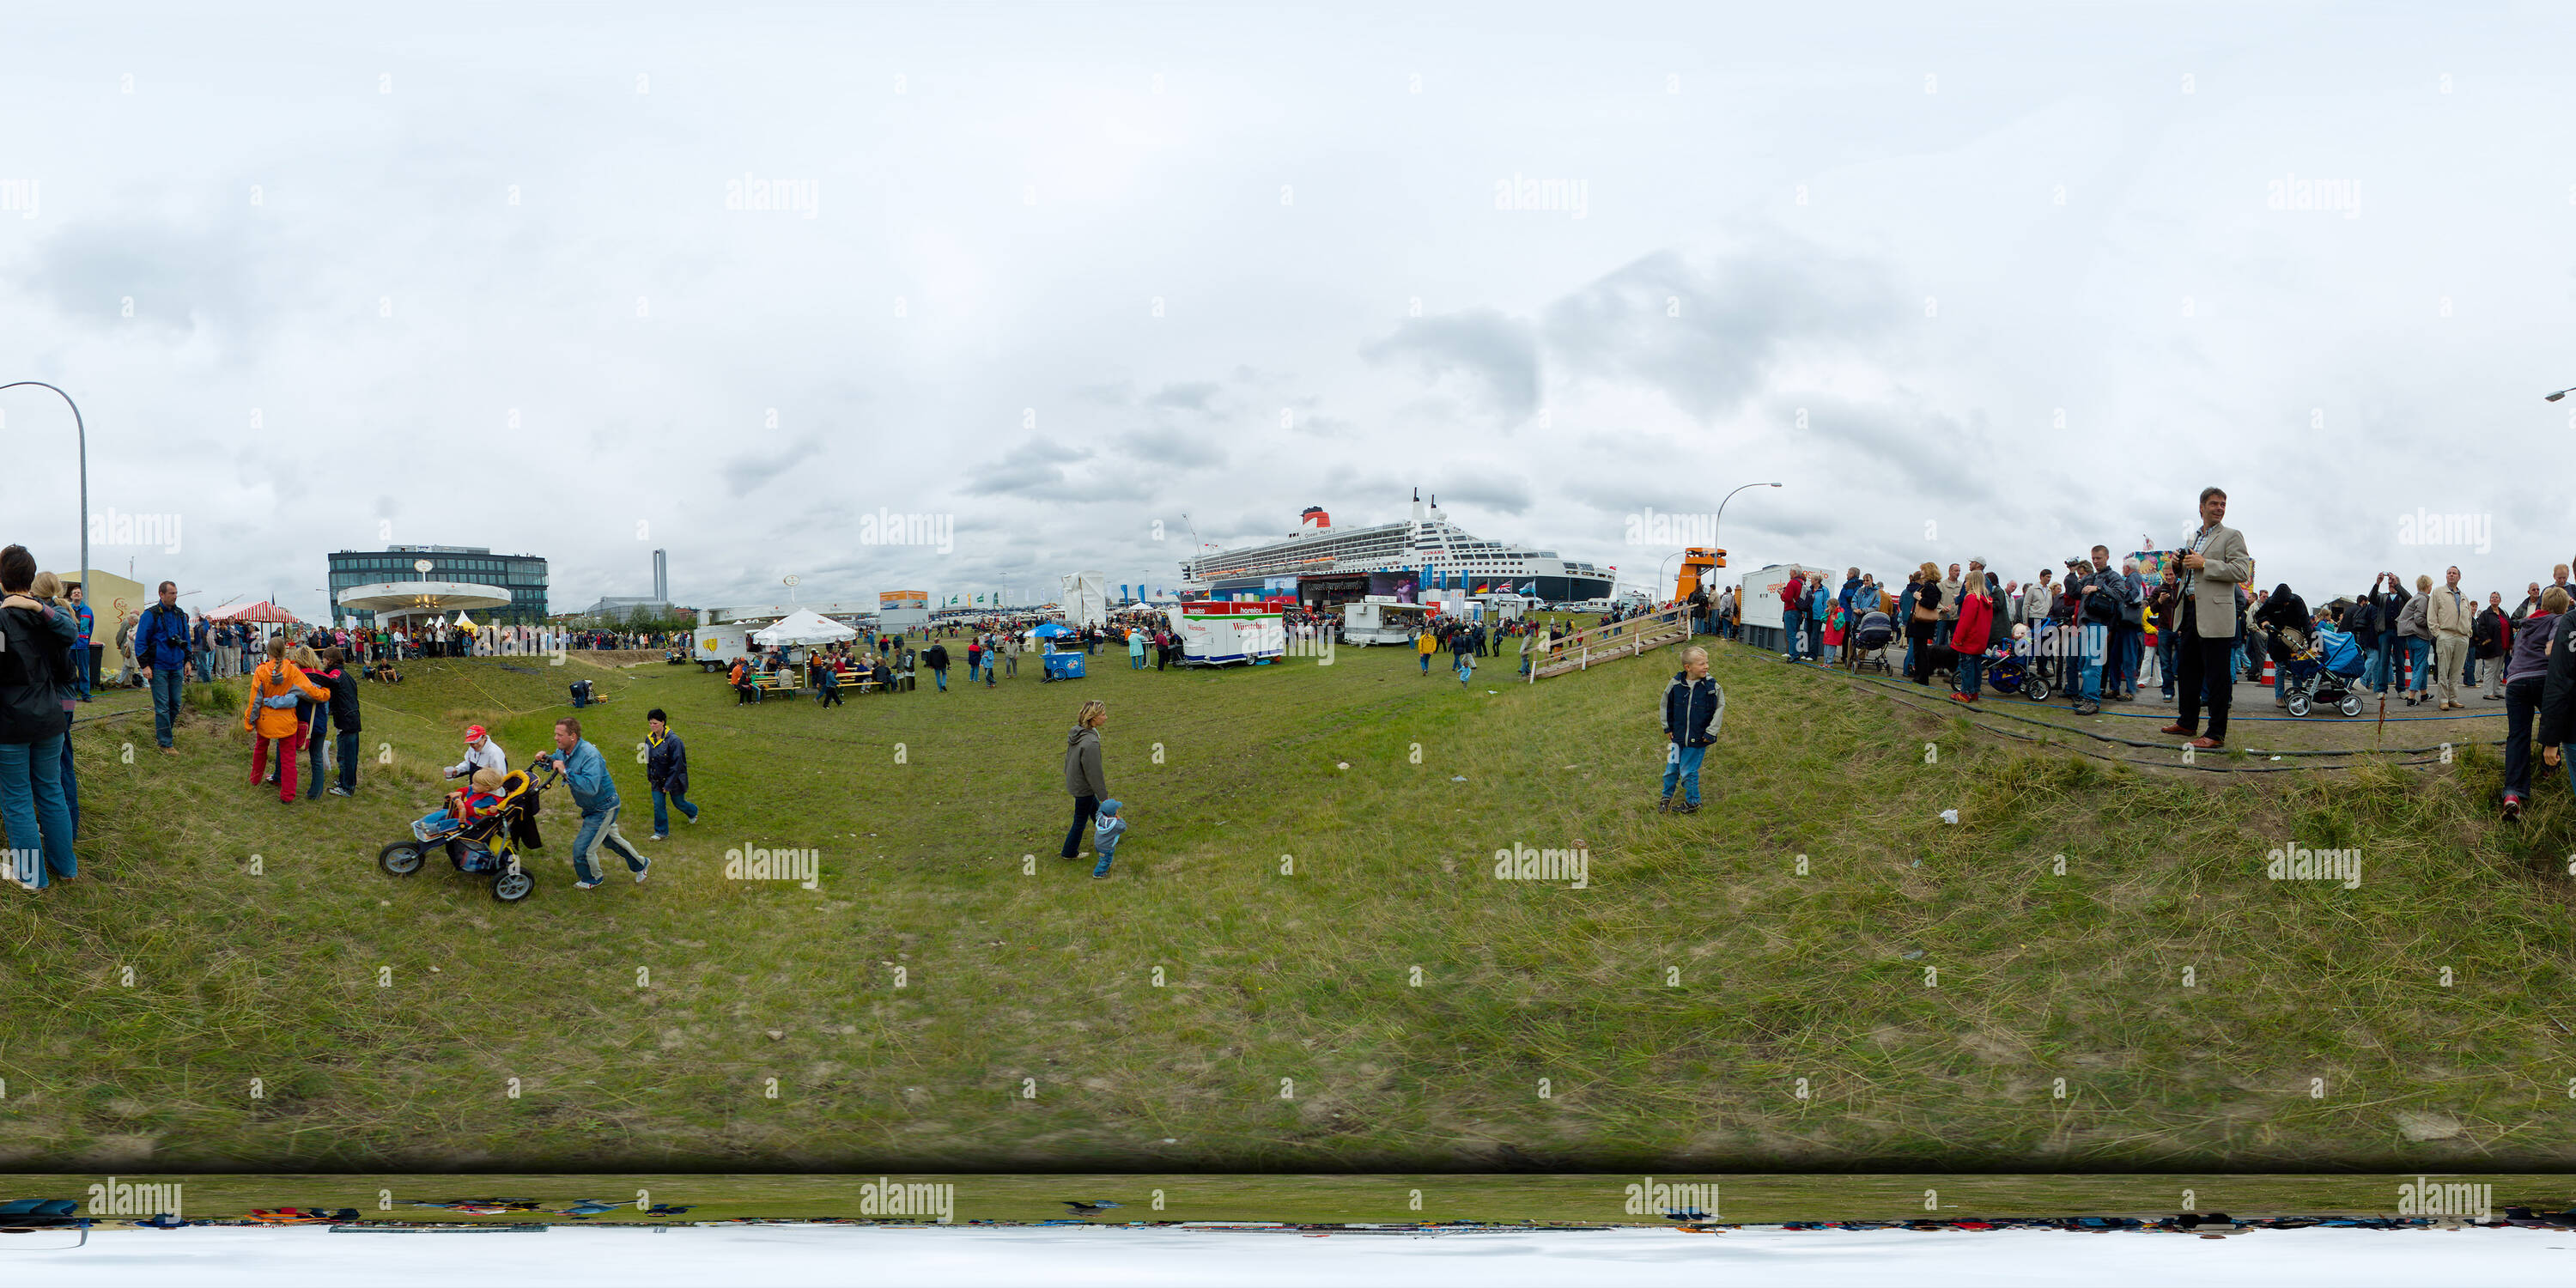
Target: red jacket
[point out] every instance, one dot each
(1976, 617)
(1793, 596)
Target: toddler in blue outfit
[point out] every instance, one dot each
(1106, 828)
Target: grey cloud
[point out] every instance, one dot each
(1171, 446)
(216, 275)
(1189, 395)
(1707, 333)
(1491, 491)
(744, 473)
(1035, 466)
(1495, 353)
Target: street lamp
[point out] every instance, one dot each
(83, 432)
(1721, 509)
(2560, 394)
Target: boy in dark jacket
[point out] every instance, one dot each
(342, 716)
(1693, 708)
(666, 770)
(936, 658)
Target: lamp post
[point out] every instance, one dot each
(82, 431)
(2560, 394)
(1721, 509)
(1721, 518)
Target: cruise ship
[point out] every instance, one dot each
(1326, 565)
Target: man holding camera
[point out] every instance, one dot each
(2214, 566)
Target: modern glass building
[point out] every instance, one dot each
(524, 576)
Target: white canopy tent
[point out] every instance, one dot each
(804, 626)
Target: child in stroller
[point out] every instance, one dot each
(482, 829)
(2010, 668)
(2321, 671)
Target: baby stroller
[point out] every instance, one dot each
(2322, 672)
(1871, 637)
(2008, 671)
(486, 847)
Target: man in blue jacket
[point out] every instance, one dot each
(161, 645)
(201, 640)
(1693, 704)
(586, 772)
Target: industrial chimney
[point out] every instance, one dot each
(661, 576)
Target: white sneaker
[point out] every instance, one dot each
(648, 871)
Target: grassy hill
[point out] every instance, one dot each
(1929, 983)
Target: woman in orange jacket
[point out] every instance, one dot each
(270, 717)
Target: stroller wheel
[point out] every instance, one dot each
(402, 858)
(2035, 689)
(513, 884)
(2298, 704)
(2351, 704)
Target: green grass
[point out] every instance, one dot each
(1306, 976)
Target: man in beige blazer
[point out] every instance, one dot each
(2214, 565)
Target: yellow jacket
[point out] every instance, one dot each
(1426, 642)
(275, 679)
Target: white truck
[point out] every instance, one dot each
(1379, 619)
(714, 647)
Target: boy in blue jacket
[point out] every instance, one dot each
(1693, 708)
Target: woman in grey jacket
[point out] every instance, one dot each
(2415, 636)
(1082, 777)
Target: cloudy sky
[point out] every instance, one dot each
(1988, 280)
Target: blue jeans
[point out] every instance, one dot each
(662, 811)
(2165, 658)
(1681, 769)
(2097, 647)
(1135, 661)
(205, 666)
(1106, 853)
(600, 831)
(315, 735)
(71, 787)
(2374, 671)
(32, 807)
(165, 700)
(2133, 644)
(1970, 669)
(346, 745)
(940, 674)
(84, 668)
(2419, 657)
(1791, 626)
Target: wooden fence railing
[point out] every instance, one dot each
(1590, 648)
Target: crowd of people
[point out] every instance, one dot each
(2191, 633)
